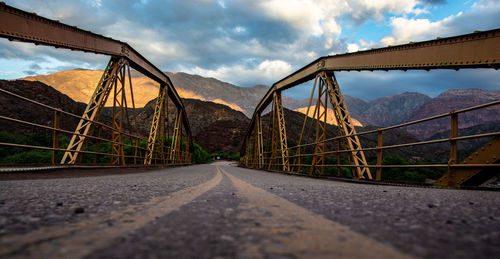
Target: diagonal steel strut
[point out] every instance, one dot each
(93, 110)
(345, 125)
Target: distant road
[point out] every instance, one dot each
(220, 210)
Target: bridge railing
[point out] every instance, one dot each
(10, 133)
(455, 168)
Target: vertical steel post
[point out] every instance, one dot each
(280, 119)
(320, 117)
(380, 144)
(117, 155)
(162, 139)
(137, 140)
(453, 145)
(274, 138)
(55, 135)
(260, 141)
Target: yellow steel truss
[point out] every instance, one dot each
(279, 134)
(345, 125)
(176, 138)
(117, 155)
(93, 110)
(320, 112)
(154, 125)
(259, 143)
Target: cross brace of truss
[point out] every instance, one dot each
(279, 133)
(93, 110)
(345, 125)
(176, 138)
(154, 124)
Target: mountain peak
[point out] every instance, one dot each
(469, 92)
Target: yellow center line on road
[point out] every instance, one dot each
(80, 239)
(290, 230)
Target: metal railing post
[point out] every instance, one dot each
(453, 143)
(380, 144)
(55, 136)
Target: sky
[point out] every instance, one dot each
(250, 42)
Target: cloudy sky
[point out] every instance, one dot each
(249, 42)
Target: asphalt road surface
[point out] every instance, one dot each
(223, 211)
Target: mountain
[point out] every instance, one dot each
(330, 116)
(21, 110)
(384, 111)
(200, 114)
(243, 99)
(456, 100)
(79, 84)
(222, 135)
(390, 110)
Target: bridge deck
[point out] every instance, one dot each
(206, 211)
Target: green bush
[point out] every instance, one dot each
(200, 155)
(400, 174)
(28, 157)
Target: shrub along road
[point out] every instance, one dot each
(219, 210)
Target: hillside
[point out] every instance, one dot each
(455, 100)
(21, 110)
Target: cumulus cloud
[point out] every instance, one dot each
(245, 42)
(267, 71)
(482, 16)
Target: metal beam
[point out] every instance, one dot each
(23, 26)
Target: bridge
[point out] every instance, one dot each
(477, 50)
(128, 200)
(22, 26)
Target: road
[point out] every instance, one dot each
(223, 211)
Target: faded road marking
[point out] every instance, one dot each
(80, 239)
(292, 231)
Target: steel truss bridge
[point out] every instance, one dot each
(170, 141)
(164, 145)
(476, 50)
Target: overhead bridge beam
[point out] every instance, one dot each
(19, 25)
